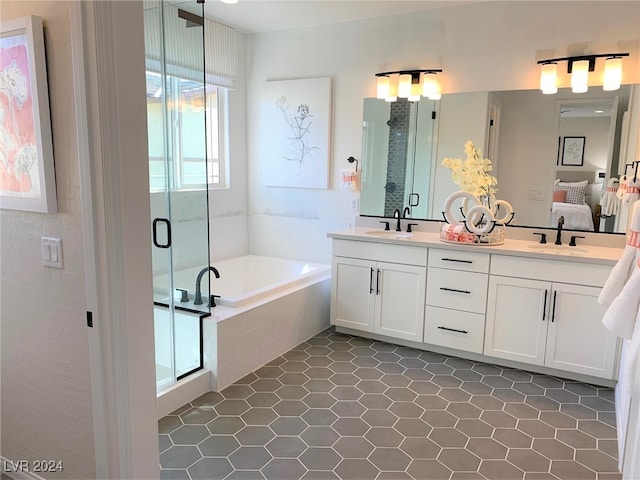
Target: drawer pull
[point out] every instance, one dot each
(453, 330)
(455, 290)
(456, 260)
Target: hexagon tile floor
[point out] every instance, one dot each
(341, 407)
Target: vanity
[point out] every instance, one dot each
(520, 304)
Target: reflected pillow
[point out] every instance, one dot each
(582, 183)
(559, 195)
(574, 193)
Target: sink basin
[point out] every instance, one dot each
(388, 234)
(558, 249)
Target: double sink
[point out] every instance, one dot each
(536, 247)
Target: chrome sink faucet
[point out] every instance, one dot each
(198, 296)
(559, 235)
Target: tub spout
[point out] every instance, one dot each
(198, 297)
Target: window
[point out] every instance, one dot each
(197, 148)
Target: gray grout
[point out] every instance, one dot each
(510, 451)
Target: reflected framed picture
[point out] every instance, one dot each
(27, 175)
(573, 151)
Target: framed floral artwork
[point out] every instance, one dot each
(27, 176)
(294, 132)
(573, 151)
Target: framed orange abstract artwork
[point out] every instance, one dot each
(27, 175)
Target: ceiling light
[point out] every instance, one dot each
(598, 111)
(229, 1)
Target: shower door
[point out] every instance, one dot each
(174, 44)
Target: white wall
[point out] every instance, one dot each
(596, 145)
(45, 378)
(488, 46)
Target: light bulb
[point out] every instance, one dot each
(383, 87)
(548, 76)
(404, 85)
(429, 85)
(393, 90)
(580, 76)
(612, 74)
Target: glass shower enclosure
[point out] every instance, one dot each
(176, 90)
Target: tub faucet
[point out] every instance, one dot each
(198, 297)
(559, 235)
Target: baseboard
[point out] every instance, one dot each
(183, 392)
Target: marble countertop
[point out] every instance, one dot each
(522, 248)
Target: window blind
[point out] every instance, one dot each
(183, 45)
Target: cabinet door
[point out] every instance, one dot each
(577, 341)
(352, 293)
(400, 301)
(517, 318)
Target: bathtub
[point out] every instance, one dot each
(248, 279)
(266, 307)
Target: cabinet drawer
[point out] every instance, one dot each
(454, 329)
(458, 290)
(407, 255)
(459, 260)
(550, 270)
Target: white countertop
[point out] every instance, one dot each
(520, 248)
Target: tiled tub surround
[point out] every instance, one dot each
(239, 340)
(341, 407)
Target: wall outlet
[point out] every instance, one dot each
(535, 195)
(51, 252)
(355, 205)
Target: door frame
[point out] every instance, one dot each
(108, 72)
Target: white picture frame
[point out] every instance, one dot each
(27, 174)
(295, 132)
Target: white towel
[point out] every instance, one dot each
(632, 357)
(624, 298)
(619, 275)
(620, 318)
(622, 187)
(609, 201)
(622, 270)
(632, 193)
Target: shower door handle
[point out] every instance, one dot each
(166, 221)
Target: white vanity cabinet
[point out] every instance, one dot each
(379, 288)
(545, 312)
(456, 299)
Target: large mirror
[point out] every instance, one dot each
(539, 144)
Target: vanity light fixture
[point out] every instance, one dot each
(579, 68)
(409, 84)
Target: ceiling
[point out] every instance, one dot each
(259, 16)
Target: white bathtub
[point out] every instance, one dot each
(248, 279)
(268, 306)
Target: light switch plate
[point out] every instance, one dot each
(52, 252)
